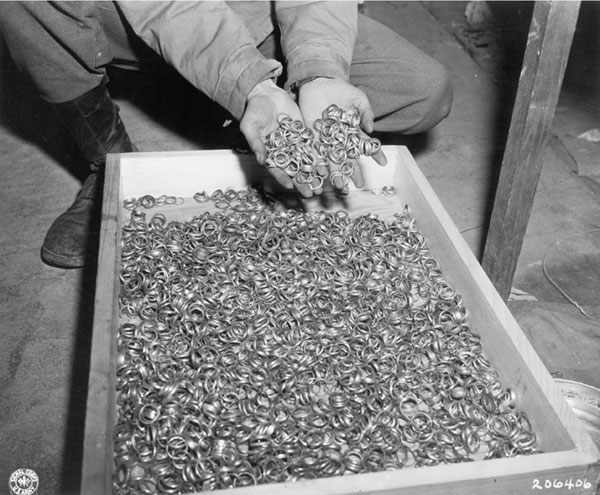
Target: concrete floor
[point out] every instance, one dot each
(46, 313)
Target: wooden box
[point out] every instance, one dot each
(569, 462)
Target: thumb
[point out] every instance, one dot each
(255, 142)
(258, 148)
(366, 114)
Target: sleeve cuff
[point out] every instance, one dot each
(317, 65)
(233, 88)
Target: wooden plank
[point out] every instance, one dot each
(550, 36)
(569, 452)
(97, 455)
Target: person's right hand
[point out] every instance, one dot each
(266, 102)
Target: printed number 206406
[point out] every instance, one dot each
(569, 484)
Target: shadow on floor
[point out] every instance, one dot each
(70, 475)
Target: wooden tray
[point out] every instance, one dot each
(569, 462)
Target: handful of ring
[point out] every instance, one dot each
(307, 156)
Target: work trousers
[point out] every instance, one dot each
(65, 48)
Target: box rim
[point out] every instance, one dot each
(95, 435)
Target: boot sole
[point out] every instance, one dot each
(60, 260)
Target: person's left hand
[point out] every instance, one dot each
(316, 95)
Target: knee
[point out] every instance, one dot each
(435, 100)
(417, 102)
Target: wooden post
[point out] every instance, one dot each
(546, 54)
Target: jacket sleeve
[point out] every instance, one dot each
(317, 38)
(207, 43)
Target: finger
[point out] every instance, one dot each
(289, 183)
(302, 183)
(380, 157)
(280, 176)
(357, 175)
(316, 183)
(304, 189)
(335, 176)
(322, 169)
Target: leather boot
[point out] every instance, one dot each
(93, 121)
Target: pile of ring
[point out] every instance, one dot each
(292, 147)
(266, 346)
(340, 142)
(148, 202)
(289, 148)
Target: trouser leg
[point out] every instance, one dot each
(61, 46)
(64, 50)
(408, 90)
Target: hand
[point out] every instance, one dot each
(266, 102)
(316, 95)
